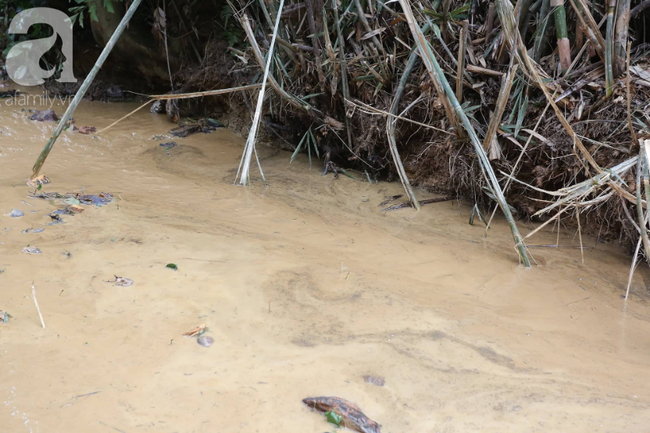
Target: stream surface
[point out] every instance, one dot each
(305, 287)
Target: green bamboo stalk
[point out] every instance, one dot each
(390, 130)
(84, 87)
(563, 45)
(609, 46)
(431, 63)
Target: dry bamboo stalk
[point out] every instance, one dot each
(642, 218)
(627, 86)
(609, 48)
(621, 31)
(243, 172)
(490, 143)
(589, 26)
(390, 131)
(479, 70)
(462, 40)
(632, 268)
(490, 20)
(36, 303)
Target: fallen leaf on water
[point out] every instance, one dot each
(172, 266)
(198, 330)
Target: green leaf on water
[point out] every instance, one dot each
(334, 418)
(172, 266)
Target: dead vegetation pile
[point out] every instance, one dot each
(541, 102)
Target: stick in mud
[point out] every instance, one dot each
(84, 87)
(36, 303)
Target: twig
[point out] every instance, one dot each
(360, 104)
(421, 203)
(36, 303)
(182, 96)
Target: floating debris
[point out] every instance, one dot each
(87, 130)
(168, 145)
(38, 230)
(38, 181)
(122, 281)
(160, 137)
(172, 266)
(4, 316)
(197, 330)
(16, 213)
(44, 116)
(350, 415)
(375, 380)
(31, 250)
(205, 340)
(74, 199)
(56, 219)
(157, 108)
(98, 200)
(204, 125)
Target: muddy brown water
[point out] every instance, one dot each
(305, 288)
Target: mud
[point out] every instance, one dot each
(305, 287)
